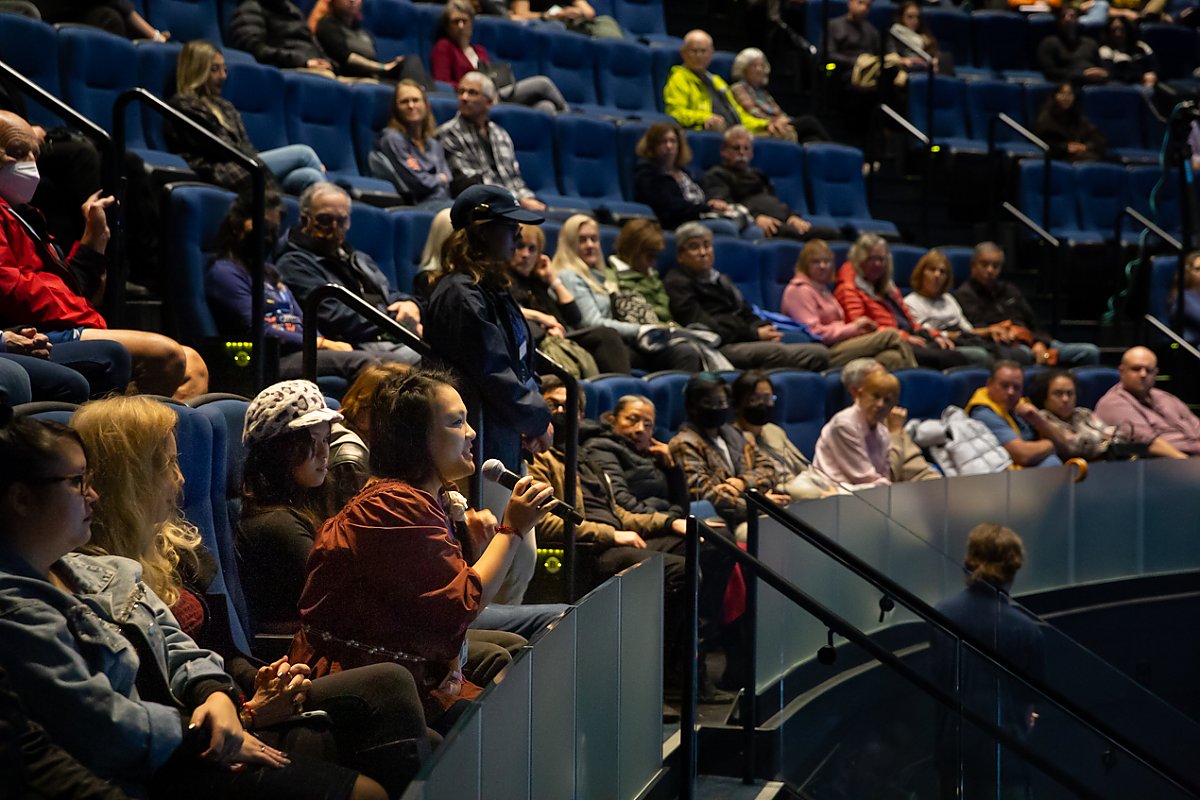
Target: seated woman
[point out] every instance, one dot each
(1126, 56)
(1083, 435)
(378, 728)
(1062, 124)
(74, 627)
(754, 412)
(408, 155)
(809, 300)
(749, 72)
(357, 607)
(640, 469)
(454, 56)
(550, 307)
(119, 17)
(853, 446)
(931, 305)
(199, 76)
(719, 463)
(661, 181)
(865, 289)
(908, 34)
(431, 269)
(580, 263)
(351, 48)
(1191, 299)
(229, 290)
(638, 246)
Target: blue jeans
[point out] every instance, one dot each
(14, 383)
(296, 166)
(1076, 354)
(521, 620)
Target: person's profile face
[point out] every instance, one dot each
(217, 75)
(500, 239)
(473, 104)
(310, 472)
(858, 8)
(1005, 387)
(876, 403)
(451, 437)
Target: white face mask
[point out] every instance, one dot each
(18, 182)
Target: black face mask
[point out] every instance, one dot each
(559, 420)
(270, 237)
(708, 418)
(758, 415)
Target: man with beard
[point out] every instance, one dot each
(317, 253)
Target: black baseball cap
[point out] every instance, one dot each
(484, 201)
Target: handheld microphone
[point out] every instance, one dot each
(495, 471)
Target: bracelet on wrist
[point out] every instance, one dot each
(509, 530)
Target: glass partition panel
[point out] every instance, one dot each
(1038, 510)
(504, 737)
(455, 772)
(1108, 522)
(1172, 515)
(552, 710)
(597, 673)
(640, 674)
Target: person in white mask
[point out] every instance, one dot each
(56, 292)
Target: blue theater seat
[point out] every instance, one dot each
(666, 390)
(372, 110)
(643, 19)
(509, 42)
(608, 389)
(960, 262)
(623, 79)
(628, 135)
(836, 396)
(1064, 221)
(257, 92)
(952, 29)
(1036, 94)
(837, 189)
(738, 260)
(31, 48)
(999, 43)
(963, 383)
(904, 260)
(1093, 382)
(722, 65)
(1164, 271)
(1117, 111)
(1175, 48)
(776, 266)
(444, 108)
(372, 232)
(706, 150)
(783, 162)
(588, 167)
(156, 74)
(661, 61)
(814, 11)
(551, 229)
(1165, 211)
(397, 28)
(193, 213)
(949, 113)
(569, 60)
(986, 100)
(800, 408)
(410, 228)
(533, 137)
(186, 19)
(319, 114)
(925, 393)
(1102, 192)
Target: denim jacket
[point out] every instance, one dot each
(76, 672)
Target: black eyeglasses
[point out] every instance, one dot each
(82, 482)
(330, 220)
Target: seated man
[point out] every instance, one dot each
(852, 36)
(986, 301)
(1151, 415)
(41, 289)
(735, 181)
(1065, 55)
(276, 32)
(477, 149)
(316, 253)
(905, 459)
(700, 294)
(700, 100)
(1013, 420)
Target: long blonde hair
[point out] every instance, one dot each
(127, 438)
(566, 255)
(191, 72)
(439, 231)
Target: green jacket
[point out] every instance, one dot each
(687, 100)
(648, 286)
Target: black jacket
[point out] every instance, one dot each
(661, 192)
(750, 187)
(275, 32)
(638, 483)
(983, 306)
(717, 306)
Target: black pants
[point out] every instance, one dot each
(773, 355)
(606, 346)
(681, 356)
(935, 357)
(339, 363)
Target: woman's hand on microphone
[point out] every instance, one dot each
(527, 504)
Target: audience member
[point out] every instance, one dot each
(853, 446)
(42, 289)
(1125, 56)
(430, 267)
(1063, 125)
(229, 290)
(70, 372)
(640, 469)
(931, 305)
(908, 34)
(1053, 392)
(1013, 420)
(989, 301)
(700, 100)
(663, 182)
(357, 608)
(317, 253)
(905, 458)
(1066, 54)
(865, 289)
(199, 76)
(749, 72)
(356, 402)
(1150, 415)
(754, 414)
(579, 263)
(719, 462)
(550, 308)
(967, 759)
(737, 183)
(701, 294)
(577, 16)
(638, 246)
(119, 17)
(852, 36)
(412, 157)
(454, 57)
(351, 47)
(275, 32)
(479, 150)
(62, 608)
(809, 301)
(1191, 299)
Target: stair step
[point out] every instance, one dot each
(717, 787)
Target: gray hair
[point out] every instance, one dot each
(310, 194)
(744, 59)
(855, 372)
(688, 231)
(486, 85)
(736, 130)
(985, 247)
(862, 247)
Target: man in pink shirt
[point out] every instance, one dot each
(1150, 415)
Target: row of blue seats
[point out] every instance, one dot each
(1086, 199)
(806, 400)
(964, 110)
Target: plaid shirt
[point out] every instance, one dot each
(202, 156)
(468, 155)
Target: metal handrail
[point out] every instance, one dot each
(1033, 139)
(908, 127)
(1141, 219)
(258, 183)
(929, 70)
(931, 615)
(837, 625)
(1184, 344)
(338, 293)
(1054, 242)
(926, 139)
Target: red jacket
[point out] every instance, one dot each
(857, 303)
(450, 63)
(32, 292)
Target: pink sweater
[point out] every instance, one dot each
(807, 301)
(851, 451)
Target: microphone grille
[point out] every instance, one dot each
(493, 468)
